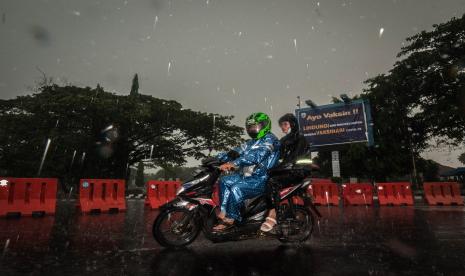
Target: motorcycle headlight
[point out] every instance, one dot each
(304, 162)
(180, 190)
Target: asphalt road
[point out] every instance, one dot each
(420, 240)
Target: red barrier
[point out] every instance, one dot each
(324, 192)
(160, 192)
(101, 194)
(27, 195)
(442, 193)
(397, 193)
(357, 194)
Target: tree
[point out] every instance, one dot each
(430, 81)
(462, 158)
(135, 86)
(75, 118)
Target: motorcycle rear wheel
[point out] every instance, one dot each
(297, 228)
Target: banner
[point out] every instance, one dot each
(335, 124)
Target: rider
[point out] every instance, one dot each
(293, 145)
(254, 158)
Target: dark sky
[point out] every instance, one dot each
(224, 56)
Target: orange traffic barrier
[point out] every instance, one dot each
(160, 192)
(27, 195)
(357, 194)
(442, 193)
(324, 192)
(101, 195)
(396, 193)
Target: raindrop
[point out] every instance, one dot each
(72, 159)
(234, 91)
(151, 152)
(269, 57)
(70, 192)
(381, 31)
(295, 45)
(83, 157)
(44, 155)
(169, 68)
(155, 21)
(77, 13)
(5, 248)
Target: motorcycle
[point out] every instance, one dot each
(193, 210)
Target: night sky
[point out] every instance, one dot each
(224, 56)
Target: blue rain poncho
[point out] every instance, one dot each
(256, 157)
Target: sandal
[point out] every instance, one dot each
(268, 225)
(223, 225)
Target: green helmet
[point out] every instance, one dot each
(258, 125)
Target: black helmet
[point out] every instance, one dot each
(289, 117)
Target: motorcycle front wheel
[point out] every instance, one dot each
(175, 227)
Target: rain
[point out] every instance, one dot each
(222, 60)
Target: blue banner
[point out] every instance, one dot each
(335, 124)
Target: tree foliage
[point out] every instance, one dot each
(462, 158)
(135, 86)
(74, 119)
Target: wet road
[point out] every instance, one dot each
(418, 240)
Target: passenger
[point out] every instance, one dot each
(293, 145)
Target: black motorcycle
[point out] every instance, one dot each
(193, 210)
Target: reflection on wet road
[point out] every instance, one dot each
(347, 241)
